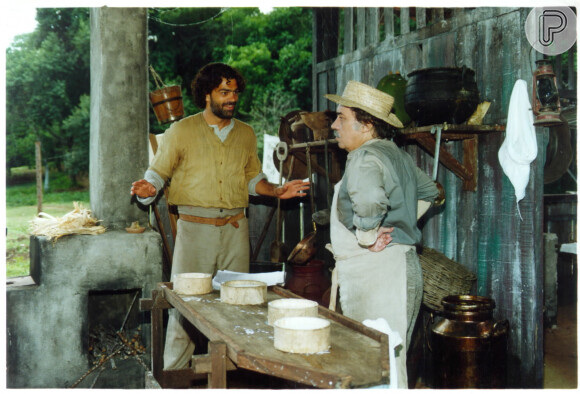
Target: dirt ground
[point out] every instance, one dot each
(561, 351)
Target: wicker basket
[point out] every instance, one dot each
(442, 277)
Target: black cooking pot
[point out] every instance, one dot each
(439, 95)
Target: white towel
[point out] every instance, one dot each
(395, 340)
(520, 147)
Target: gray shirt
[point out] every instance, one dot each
(380, 188)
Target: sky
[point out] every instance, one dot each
(17, 18)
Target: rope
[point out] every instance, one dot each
(189, 24)
(156, 77)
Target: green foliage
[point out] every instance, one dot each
(48, 72)
(272, 51)
(266, 112)
(77, 128)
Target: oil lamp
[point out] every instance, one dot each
(546, 99)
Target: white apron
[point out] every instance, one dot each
(372, 285)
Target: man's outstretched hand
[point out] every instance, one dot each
(143, 189)
(295, 188)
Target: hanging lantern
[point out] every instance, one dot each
(546, 99)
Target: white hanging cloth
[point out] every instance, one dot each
(520, 147)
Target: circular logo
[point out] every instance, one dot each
(551, 30)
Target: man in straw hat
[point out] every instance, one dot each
(374, 218)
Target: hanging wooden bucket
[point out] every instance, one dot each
(167, 104)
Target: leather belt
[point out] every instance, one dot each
(233, 220)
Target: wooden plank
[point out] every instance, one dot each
(373, 25)
(325, 27)
(352, 324)
(249, 342)
(462, 128)
(446, 159)
(360, 27)
(438, 14)
(348, 322)
(421, 16)
(389, 23)
(172, 213)
(217, 376)
(157, 337)
(202, 364)
(405, 25)
(348, 39)
(295, 373)
(38, 156)
(470, 161)
(182, 379)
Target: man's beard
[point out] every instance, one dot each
(220, 112)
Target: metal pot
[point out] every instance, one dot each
(439, 95)
(304, 250)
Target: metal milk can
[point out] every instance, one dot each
(469, 348)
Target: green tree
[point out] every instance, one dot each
(77, 127)
(46, 74)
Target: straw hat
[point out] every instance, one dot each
(369, 99)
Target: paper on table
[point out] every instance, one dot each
(270, 278)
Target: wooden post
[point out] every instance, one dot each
(157, 345)
(38, 177)
(217, 376)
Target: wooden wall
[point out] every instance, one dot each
(480, 229)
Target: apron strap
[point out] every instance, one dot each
(333, 290)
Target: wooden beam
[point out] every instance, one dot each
(405, 26)
(409, 132)
(421, 17)
(217, 377)
(360, 28)
(389, 20)
(446, 158)
(172, 214)
(470, 150)
(373, 25)
(202, 364)
(468, 134)
(157, 339)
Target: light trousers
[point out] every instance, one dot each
(202, 248)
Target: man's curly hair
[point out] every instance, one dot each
(382, 128)
(210, 77)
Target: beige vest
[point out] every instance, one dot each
(205, 171)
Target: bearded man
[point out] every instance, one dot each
(212, 161)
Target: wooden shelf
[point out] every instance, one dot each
(468, 134)
(426, 138)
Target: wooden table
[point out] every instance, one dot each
(239, 337)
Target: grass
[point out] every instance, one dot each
(21, 208)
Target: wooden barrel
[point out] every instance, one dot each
(167, 104)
